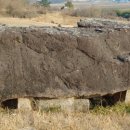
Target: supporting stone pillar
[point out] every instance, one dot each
(65, 105)
(24, 103)
(127, 98)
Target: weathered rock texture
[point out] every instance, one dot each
(102, 23)
(52, 62)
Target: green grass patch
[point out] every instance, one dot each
(118, 108)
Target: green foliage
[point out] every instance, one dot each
(119, 108)
(69, 4)
(123, 13)
(45, 3)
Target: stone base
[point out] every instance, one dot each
(127, 99)
(55, 105)
(24, 103)
(69, 104)
(66, 105)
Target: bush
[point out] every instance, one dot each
(124, 14)
(69, 4)
(44, 3)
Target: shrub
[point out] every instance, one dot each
(124, 14)
(44, 3)
(69, 4)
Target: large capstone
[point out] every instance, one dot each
(55, 62)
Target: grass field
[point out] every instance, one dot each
(110, 118)
(49, 19)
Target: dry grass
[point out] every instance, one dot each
(40, 15)
(98, 12)
(20, 8)
(57, 18)
(92, 12)
(62, 121)
(49, 19)
(115, 119)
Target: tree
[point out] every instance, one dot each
(69, 4)
(45, 3)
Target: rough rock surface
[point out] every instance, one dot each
(102, 23)
(51, 62)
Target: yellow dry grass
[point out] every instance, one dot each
(57, 18)
(49, 19)
(62, 121)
